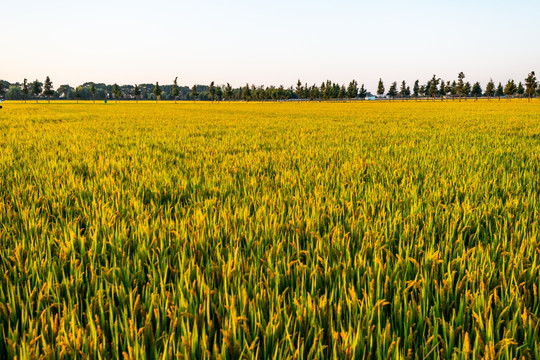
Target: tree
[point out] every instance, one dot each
(194, 93)
(476, 91)
(520, 90)
(352, 90)
(2, 90)
(136, 93)
(118, 93)
(228, 92)
(37, 89)
(24, 90)
(460, 87)
(78, 93)
(530, 84)
(175, 92)
(48, 90)
(380, 88)
(93, 92)
(442, 90)
(490, 89)
(362, 93)
(219, 93)
(14, 93)
(499, 92)
(403, 90)
(426, 91)
(416, 89)
(299, 90)
(314, 92)
(157, 92)
(433, 91)
(63, 91)
(510, 89)
(212, 91)
(452, 89)
(392, 92)
(326, 89)
(246, 93)
(342, 92)
(422, 90)
(467, 90)
(280, 92)
(115, 91)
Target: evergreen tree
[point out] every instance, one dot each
(246, 93)
(392, 92)
(157, 92)
(403, 90)
(228, 92)
(175, 92)
(426, 91)
(93, 92)
(352, 90)
(280, 92)
(362, 93)
(500, 91)
(194, 93)
(24, 90)
(212, 91)
(219, 93)
(490, 89)
(48, 90)
(510, 89)
(460, 87)
(299, 90)
(136, 93)
(442, 90)
(408, 92)
(258, 94)
(520, 90)
(433, 91)
(380, 88)
(326, 89)
(416, 89)
(422, 90)
(476, 91)
(453, 90)
(334, 91)
(530, 84)
(322, 90)
(467, 90)
(342, 92)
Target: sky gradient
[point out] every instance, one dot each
(268, 43)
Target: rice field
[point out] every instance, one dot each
(367, 230)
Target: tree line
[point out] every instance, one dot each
(460, 89)
(435, 88)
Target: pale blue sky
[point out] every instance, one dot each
(271, 42)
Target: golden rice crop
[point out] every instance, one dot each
(282, 230)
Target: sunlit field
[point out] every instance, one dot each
(276, 230)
